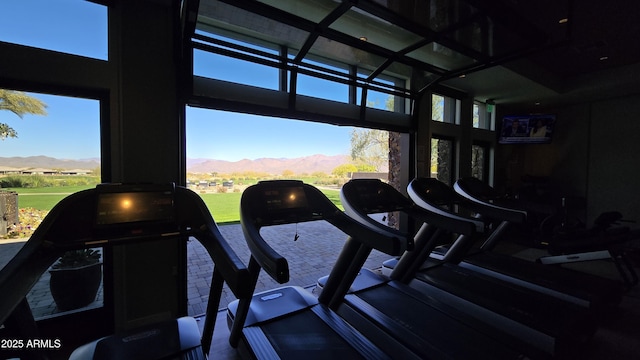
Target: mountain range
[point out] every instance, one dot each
(300, 165)
(46, 162)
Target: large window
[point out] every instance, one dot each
(483, 116)
(66, 132)
(247, 71)
(483, 139)
(445, 109)
(383, 100)
(437, 108)
(224, 55)
(461, 144)
(51, 149)
(322, 87)
(228, 151)
(71, 26)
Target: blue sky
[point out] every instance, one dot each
(232, 136)
(70, 130)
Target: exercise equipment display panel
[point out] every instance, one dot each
(115, 214)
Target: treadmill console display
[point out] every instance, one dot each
(287, 198)
(134, 207)
(374, 199)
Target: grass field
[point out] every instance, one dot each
(44, 198)
(225, 207)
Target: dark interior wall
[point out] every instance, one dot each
(563, 162)
(593, 155)
(614, 157)
(149, 279)
(146, 143)
(569, 150)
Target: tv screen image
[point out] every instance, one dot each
(527, 129)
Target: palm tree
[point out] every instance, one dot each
(20, 104)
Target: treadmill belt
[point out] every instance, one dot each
(305, 336)
(583, 285)
(430, 325)
(511, 301)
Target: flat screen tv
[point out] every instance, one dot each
(527, 129)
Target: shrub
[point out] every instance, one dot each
(25, 181)
(11, 182)
(28, 220)
(77, 258)
(36, 181)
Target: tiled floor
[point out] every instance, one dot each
(311, 256)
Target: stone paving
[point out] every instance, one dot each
(39, 298)
(310, 257)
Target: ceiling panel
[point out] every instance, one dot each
(554, 43)
(369, 28)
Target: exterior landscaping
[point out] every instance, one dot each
(34, 202)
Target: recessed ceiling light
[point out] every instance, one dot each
(537, 103)
(363, 38)
(603, 58)
(462, 76)
(563, 21)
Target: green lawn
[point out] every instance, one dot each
(225, 207)
(39, 201)
(51, 190)
(45, 198)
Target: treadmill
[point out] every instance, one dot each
(535, 322)
(593, 292)
(96, 218)
(432, 328)
(289, 322)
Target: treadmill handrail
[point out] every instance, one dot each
(255, 213)
(358, 204)
(56, 234)
(226, 260)
(419, 191)
(23, 271)
(464, 187)
(361, 211)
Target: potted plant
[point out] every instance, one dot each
(75, 279)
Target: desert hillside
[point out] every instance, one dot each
(301, 165)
